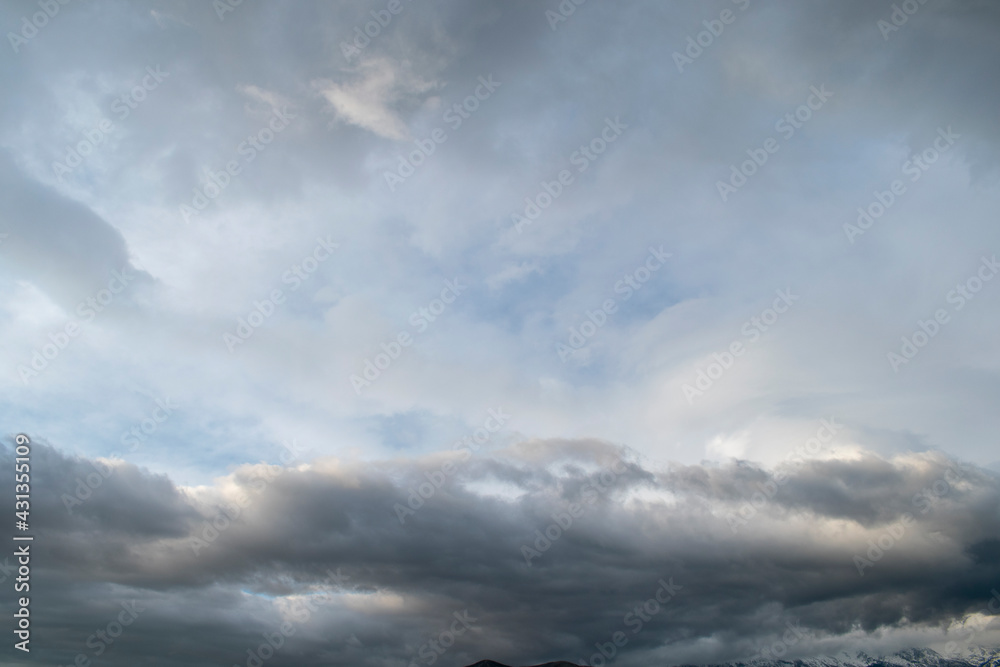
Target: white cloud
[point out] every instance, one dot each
(373, 99)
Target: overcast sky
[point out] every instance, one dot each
(704, 289)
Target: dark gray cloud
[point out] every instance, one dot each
(58, 244)
(793, 557)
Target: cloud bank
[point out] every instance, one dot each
(856, 551)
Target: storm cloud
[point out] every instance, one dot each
(502, 325)
(854, 550)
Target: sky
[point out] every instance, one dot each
(364, 320)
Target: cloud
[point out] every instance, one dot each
(753, 549)
(512, 273)
(273, 101)
(54, 242)
(259, 541)
(374, 99)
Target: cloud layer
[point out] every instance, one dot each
(295, 262)
(856, 551)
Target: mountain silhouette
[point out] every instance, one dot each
(491, 663)
(973, 657)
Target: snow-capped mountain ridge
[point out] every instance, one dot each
(915, 657)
